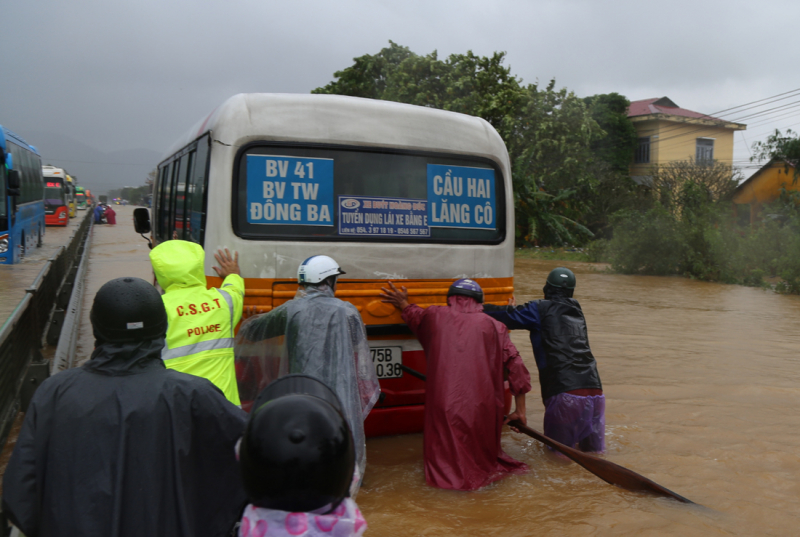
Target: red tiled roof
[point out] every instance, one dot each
(662, 105)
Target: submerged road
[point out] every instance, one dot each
(116, 251)
(702, 383)
(14, 279)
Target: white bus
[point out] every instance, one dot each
(391, 191)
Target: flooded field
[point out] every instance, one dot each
(702, 383)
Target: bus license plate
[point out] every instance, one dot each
(387, 361)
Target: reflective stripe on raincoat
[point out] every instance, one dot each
(201, 321)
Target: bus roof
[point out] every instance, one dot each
(341, 120)
(17, 139)
(52, 171)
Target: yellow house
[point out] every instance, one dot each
(764, 186)
(668, 133)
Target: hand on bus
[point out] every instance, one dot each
(396, 297)
(512, 301)
(227, 265)
(248, 312)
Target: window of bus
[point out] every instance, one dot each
(195, 202)
(30, 170)
(53, 192)
(178, 169)
(163, 205)
(181, 193)
(329, 193)
(3, 200)
(179, 197)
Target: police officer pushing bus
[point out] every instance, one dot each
(201, 320)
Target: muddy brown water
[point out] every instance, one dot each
(14, 279)
(116, 251)
(702, 382)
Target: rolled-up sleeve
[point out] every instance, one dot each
(413, 316)
(519, 379)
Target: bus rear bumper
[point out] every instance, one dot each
(387, 421)
(407, 419)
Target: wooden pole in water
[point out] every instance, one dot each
(608, 471)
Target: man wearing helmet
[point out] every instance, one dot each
(571, 389)
(468, 354)
(123, 446)
(318, 335)
(294, 487)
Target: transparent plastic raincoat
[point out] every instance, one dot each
(318, 335)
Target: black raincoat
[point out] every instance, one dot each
(125, 447)
(560, 342)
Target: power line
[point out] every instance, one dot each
(740, 108)
(98, 163)
(661, 140)
(746, 106)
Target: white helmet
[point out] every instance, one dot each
(316, 268)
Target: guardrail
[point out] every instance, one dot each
(21, 336)
(64, 357)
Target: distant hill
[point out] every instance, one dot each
(95, 170)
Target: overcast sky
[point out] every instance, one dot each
(120, 75)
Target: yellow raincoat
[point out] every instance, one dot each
(201, 321)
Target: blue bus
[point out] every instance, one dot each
(21, 197)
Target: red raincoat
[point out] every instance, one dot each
(466, 352)
(111, 216)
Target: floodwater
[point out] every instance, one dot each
(14, 279)
(116, 251)
(702, 382)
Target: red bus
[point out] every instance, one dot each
(56, 211)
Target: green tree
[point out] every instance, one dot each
(779, 146)
(368, 76)
(550, 148)
(548, 132)
(618, 145)
(612, 153)
(718, 180)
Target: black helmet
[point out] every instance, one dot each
(561, 277)
(560, 282)
(128, 309)
(466, 287)
(297, 453)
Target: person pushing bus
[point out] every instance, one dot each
(468, 355)
(201, 320)
(571, 389)
(315, 334)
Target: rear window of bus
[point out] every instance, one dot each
(333, 193)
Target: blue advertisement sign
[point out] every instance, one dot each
(461, 196)
(383, 217)
(289, 190)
